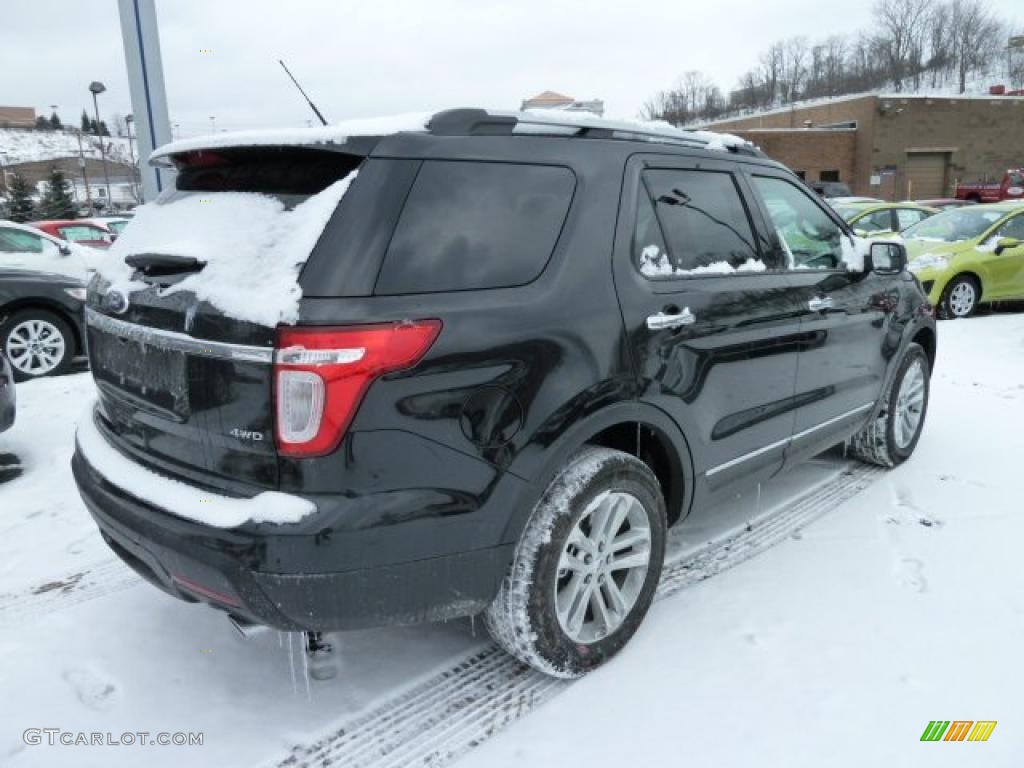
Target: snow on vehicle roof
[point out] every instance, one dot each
(337, 133)
(713, 140)
(535, 121)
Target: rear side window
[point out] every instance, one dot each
(879, 221)
(692, 223)
(78, 233)
(468, 225)
(16, 241)
(1013, 228)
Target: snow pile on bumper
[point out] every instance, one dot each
(178, 498)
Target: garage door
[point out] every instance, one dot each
(926, 175)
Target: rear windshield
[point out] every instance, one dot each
(288, 173)
(472, 225)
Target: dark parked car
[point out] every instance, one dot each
(41, 321)
(523, 350)
(7, 395)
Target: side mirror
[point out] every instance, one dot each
(886, 258)
(65, 249)
(1006, 244)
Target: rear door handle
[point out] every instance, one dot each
(662, 321)
(820, 303)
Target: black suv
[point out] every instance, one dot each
(524, 349)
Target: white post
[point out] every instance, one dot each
(146, 80)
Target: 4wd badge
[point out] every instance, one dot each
(245, 434)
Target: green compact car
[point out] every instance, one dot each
(969, 256)
(870, 219)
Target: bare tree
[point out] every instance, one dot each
(913, 44)
(794, 67)
(835, 65)
(120, 126)
(902, 24)
(976, 36)
(772, 65)
(940, 52)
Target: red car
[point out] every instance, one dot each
(1010, 188)
(81, 232)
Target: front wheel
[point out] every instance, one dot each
(37, 343)
(891, 437)
(586, 567)
(960, 298)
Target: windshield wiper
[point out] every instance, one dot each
(156, 264)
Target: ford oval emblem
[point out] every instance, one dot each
(116, 302)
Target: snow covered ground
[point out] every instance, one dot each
(24, 146)
(878, 601)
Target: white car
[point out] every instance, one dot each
(27, 248)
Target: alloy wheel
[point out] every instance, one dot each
(35, 347)
(909, 405)
(603, 567)
(962, 298)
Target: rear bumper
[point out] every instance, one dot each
(246, 572)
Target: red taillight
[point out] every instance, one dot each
(321, 375)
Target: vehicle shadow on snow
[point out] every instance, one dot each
(10, 467)
(198, 643)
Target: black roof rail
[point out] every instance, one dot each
(481, 122)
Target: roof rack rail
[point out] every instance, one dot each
(481, 122)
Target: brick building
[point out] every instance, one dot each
(896, 146)
(17, 117)
(552, 100)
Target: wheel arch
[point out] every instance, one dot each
(635, 428)
(925, 336)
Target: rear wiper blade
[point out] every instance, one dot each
(153, 264)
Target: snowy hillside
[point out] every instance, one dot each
(23, 146)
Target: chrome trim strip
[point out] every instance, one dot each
(780, 443)
(178, 342)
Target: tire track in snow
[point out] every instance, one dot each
(440, 719)
(87, 583)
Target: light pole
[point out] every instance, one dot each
(85, 173)
(96, 88)
(128, 120)
(213, 124)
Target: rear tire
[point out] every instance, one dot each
(891, 437)
(586, 567)
(960, 298)
(37, 343)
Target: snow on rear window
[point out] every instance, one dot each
(252, 245)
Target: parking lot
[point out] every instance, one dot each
(840, 593)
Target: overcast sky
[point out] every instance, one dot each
(368, 58)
